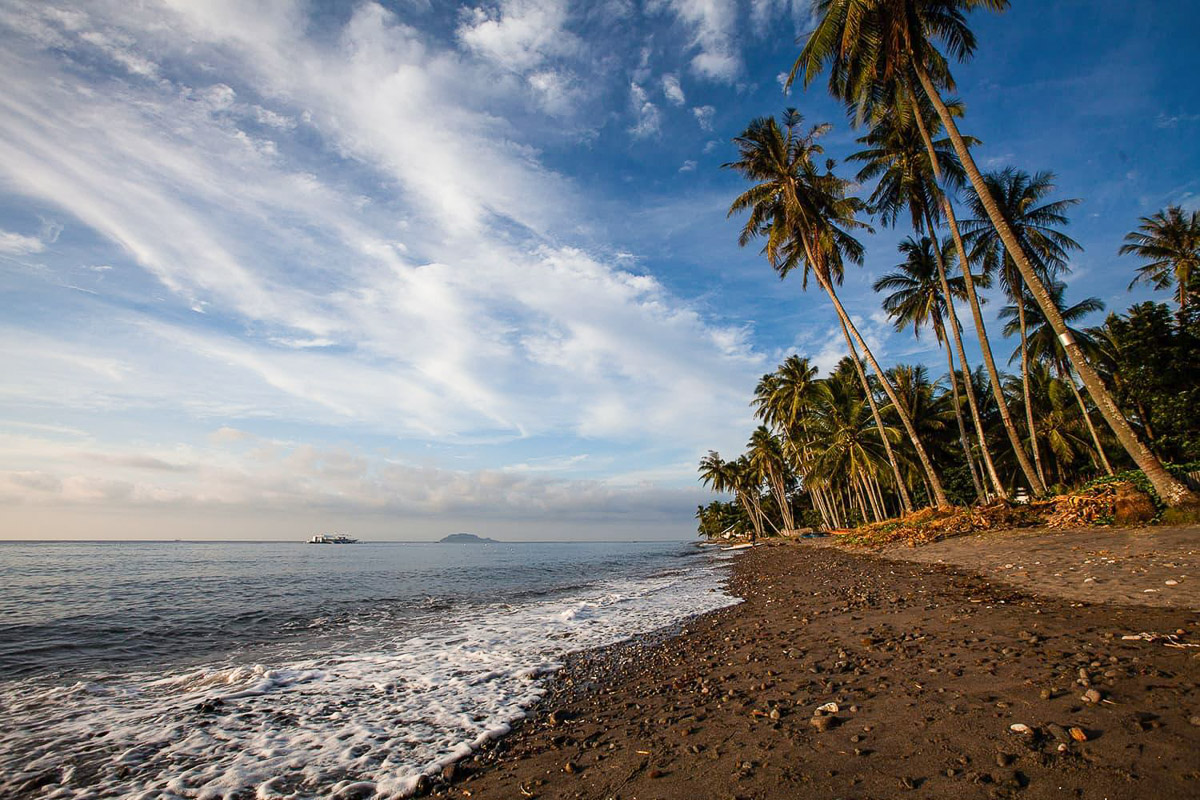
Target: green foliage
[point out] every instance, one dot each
(717, 517)
(1150, 359)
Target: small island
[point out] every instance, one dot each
(466, 538)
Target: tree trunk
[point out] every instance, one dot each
(956, 332)
(1173, 492)
(939, 494)
(1070, 379)
(862, 376)
(985, 345)
(777, 486)
(1033, 444)
(962, 428)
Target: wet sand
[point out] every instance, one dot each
(929, 664)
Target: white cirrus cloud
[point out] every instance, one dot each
(375, 247)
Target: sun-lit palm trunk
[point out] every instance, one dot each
(1033, 443)
(866, 386)
(956, 333)
(1087, 418)
(980, 493)
(1173, 492)
(985, 345)
(935, 483)
(775, 478)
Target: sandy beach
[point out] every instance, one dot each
(931, 656)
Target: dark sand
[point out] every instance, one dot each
(930, 664)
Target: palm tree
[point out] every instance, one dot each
(766, 458)
(873, 45)
(894, 154)
(1061, 430)
(1169, 242)
(1020, 198)
(729, 476)
(784, 399)
(931, 413)
(806, 217)
(1044, 347)
(916, 300)
(846, 449)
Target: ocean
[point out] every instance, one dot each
(259, 670)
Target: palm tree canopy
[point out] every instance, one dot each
(895, 154)
(870, 43)
(804, 213)
(784, 396)
(1043, 343)
(916, 290)
(1169, 243)
(1020, 197)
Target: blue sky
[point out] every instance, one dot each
(415, 267)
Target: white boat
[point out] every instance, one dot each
(332, 538)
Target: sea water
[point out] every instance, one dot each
(261, 670)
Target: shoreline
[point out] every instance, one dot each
(930, 664)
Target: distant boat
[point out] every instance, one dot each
(332, 538)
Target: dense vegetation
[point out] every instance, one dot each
(866, 443)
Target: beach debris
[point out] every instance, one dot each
(828, 708)
(1059, 732)
(1092, 696)
(570, 768)
(1194, 720)
(823, 723)
(1077, 734)
(1021, 728)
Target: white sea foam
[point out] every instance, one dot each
(330, 724)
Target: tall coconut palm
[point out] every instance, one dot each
(726, 476)
(1022, 200)
(895, 155)
(784, 399)
(806, 216)
(845, 448)
(1043, 346)
(916, 300)
(871, 44)
(1061, 431)
(749, 477)
(932, 413)
(1169, 243)
(766, 457)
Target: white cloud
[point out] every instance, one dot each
(672, 90)
(704, 116)
(409, 277)
(712, 25)
(519, 35)
(688, 166)
(764, 12)
(648, 121)
(17, 244)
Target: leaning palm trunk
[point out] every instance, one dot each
(1173, 492)
(962, 427)
(862, 376)
(1033, 443)
(1087, 418)
(938, 494)
(755, 514)
(985, 345)
(780, 491)
(956, 333)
